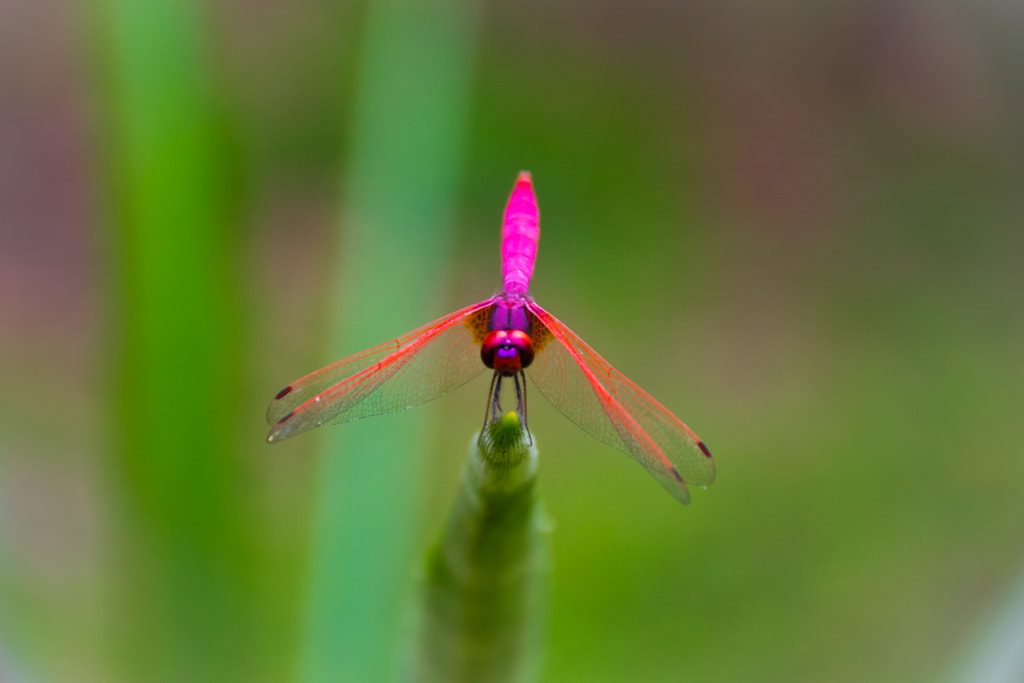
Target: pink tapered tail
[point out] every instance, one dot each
(519, 236)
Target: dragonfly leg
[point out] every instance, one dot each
(496, 399)
(523, 405)
(489, 408)
(519, 399)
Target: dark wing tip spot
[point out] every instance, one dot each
(273, 436)
(284, 392)
(675, 473)
(704, 448)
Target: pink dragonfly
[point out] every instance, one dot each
(509, 334)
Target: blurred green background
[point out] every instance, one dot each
(797, 224)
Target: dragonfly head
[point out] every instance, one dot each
(507, 351)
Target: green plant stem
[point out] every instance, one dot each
(483, 591)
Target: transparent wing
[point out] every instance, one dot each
(406, 372)
(599, 399)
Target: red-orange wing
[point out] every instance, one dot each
(406, 372)
(600, 400)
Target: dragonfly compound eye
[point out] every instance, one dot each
(523, 344)
(507, 351)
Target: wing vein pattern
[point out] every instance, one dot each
(603, 402)
(405, 372)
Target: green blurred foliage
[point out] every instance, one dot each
(797, 227)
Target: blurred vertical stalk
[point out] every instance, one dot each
(410, 108)
(482, 603)
(997, 654)
(179, 613)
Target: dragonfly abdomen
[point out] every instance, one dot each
(519, 236)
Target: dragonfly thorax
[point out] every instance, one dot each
(507, 351)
